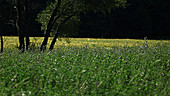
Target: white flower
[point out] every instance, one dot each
(29, 92)
(23, 94)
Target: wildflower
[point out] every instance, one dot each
(29, 92)
(55, 69)
(23, 94)
(83, 71)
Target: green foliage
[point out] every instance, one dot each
(34, 45)
(66, 9)
(45, 15)
(73, 8)
(131, 71)
(68, 40)
(103, 5)
(71, 28)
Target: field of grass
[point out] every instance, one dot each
(87, 67)
(12, 42)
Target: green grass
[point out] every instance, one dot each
(12, 42)
(137, 70)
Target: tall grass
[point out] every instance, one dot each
(141, 70)
(13, 43)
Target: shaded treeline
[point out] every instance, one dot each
(141, 18)
(17, 18)
(29, 15)
(20, 17)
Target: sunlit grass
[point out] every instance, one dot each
(12, 42)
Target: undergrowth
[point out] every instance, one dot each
(117, 71)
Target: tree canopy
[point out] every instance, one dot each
(63, 10)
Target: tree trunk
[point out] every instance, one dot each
(22, 44)
(57, 32)
(27, 42)
(18, 21)
(26, 25)
(50, 26)
(54, 40)
(21, 38)
(2, 43)
(21, 27)
(44, 44)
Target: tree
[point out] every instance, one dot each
(22, 14)
(1, 43)
(4, 17)
(64, 10)
(16, 18)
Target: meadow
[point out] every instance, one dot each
(86, 67)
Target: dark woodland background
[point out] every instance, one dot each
(141, 18)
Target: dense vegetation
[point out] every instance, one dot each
(69, 70)
(80, 66)
(52, 14)
(140, 18)
(135, 19)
